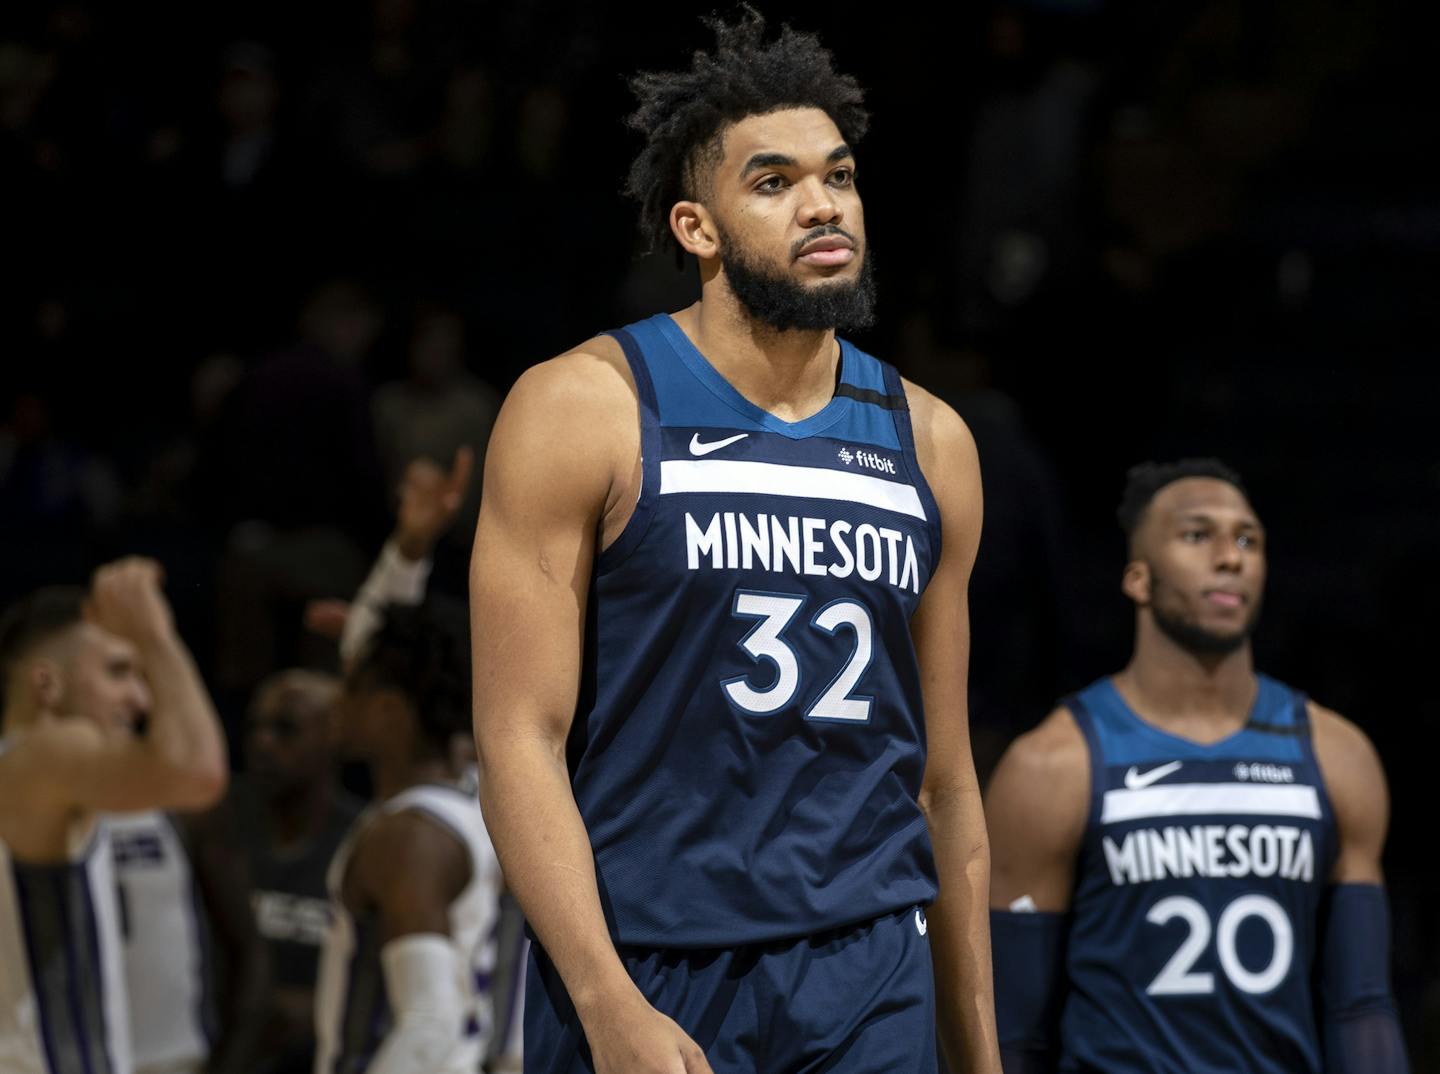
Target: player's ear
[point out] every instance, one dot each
(694, 229)
(1135, 581)
(47, 683)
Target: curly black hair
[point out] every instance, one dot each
(683, 114)
(1145, 479)
(423, 651)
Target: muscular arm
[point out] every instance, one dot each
(410, 869)
(950, 793)
(1359, 1027)
(1036, 807)
(556, 471)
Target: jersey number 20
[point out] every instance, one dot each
(765, 642)
(1179, 979)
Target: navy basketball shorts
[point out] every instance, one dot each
(857, 1000)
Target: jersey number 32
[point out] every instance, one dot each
(766, 641)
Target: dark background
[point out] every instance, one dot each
(1106, 231)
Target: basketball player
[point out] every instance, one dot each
(182, 884)
(289, 815)
(715, 630)
(80, 671)
(404, 972)
(1182, 847)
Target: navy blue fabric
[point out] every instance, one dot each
(1361, 1030)
(718, 821)
(1028, 952)
(1194, 918)
(855, 1001)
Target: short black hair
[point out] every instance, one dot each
(1144, 480)
(683, 113)
(33, 619)
(423, 651)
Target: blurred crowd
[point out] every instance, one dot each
(265, 259)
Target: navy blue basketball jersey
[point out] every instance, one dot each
(750, 739)
(1193, 921)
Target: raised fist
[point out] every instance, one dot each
(429, 499)
(125, 599)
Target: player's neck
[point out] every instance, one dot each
(20, 716)
(297, 815)
(393, 774)
(790, 374)
(1199, 695)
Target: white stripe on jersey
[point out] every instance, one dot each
(1210, 799)
(778, 479)
(164, 963)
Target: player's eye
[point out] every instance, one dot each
(1193, 536)
(770, 184)
(842, 176)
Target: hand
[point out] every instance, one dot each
(327, 617)
(125, 599)
(635, 1038)
(429, 498)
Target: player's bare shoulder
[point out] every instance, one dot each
(943, 441)
(1052, 758)
(570, 423)
(590, 383)
(950, 464)
(1355, 783)
(1036, 808)
(36, 809)
(408, 854)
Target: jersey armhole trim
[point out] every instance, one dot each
(895, 392)
(629, 538)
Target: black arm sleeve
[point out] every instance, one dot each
(1029, 957)
(1361, 1030)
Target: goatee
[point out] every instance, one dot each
(1196, 639)
(785, 305)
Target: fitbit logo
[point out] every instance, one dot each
(872, 461)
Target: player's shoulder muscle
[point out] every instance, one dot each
(943, 441)
(62, 764)
(571, 421)
(1355, 782)
(1036, 807)
(950, 463)
(412, 867)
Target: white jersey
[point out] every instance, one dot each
(62, 986)
(351, 1009)
(165, 970)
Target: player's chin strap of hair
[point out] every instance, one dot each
(1361, 1031)
(423, 975)
(1029, 958)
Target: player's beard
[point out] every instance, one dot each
(785, 305)
(1190, 635)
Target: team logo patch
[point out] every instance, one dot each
(921, 925)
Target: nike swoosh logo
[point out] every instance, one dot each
(697, 448)
(1134, 780)
(921, 925)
